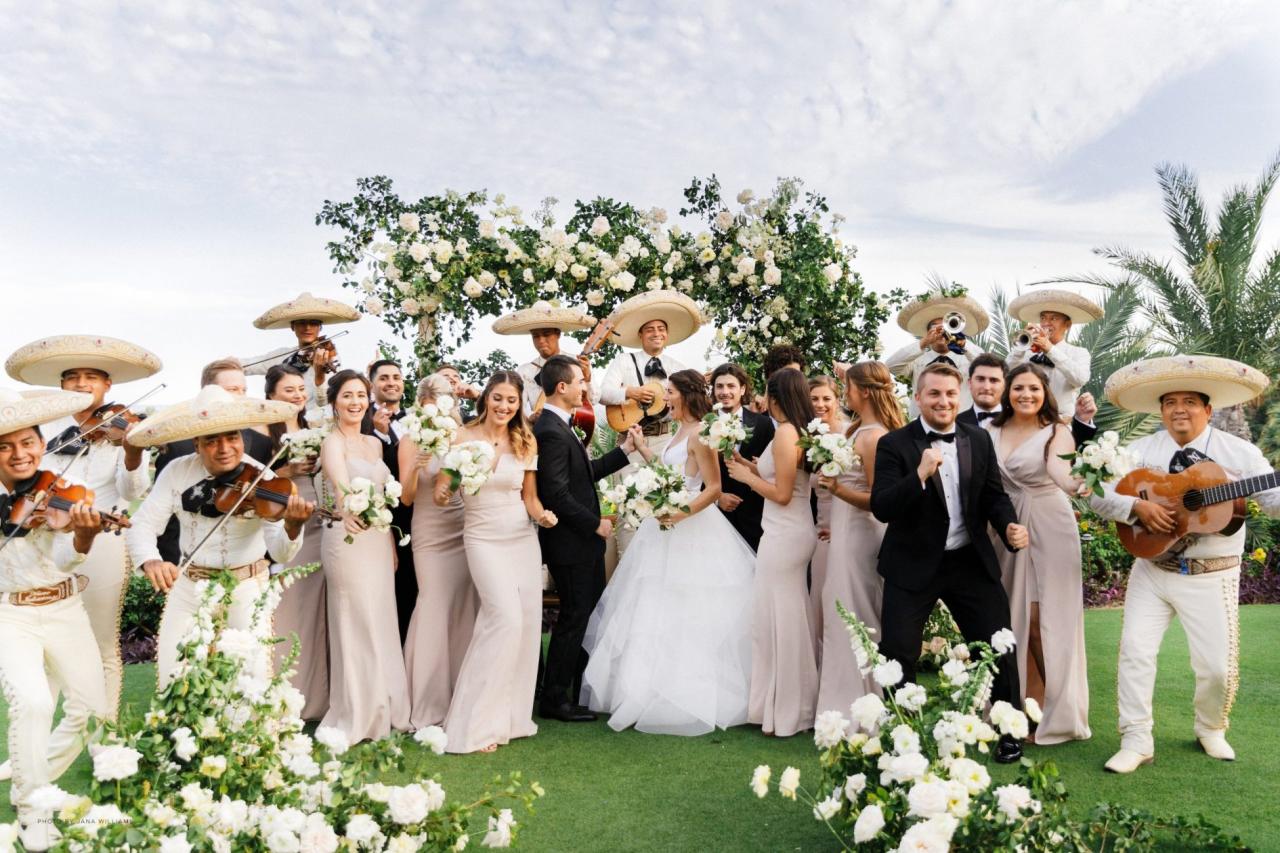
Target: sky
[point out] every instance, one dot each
(161, 165)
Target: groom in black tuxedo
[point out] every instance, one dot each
(739, 502)
(937, 486)
(574, 549)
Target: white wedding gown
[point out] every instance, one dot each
(670, 640)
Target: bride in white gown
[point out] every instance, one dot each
(670, 640)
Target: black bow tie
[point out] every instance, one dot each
(1185, 458)
(20, 490)
(1041, 359)
(397, 414)
(68, 442)
(982, 416)
(198, 499)
(942, 359)
(940, 436)
(655, 368)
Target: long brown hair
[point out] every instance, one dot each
(876, 382)
(275, 375)
(692, 389)
(1048, 413)
(518, 431)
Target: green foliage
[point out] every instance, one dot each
(142, 607)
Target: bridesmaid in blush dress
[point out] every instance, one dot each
(784, 671)
(368, 695)
(1029, 441)
(445, 612)
(824, 394)
(493, 698)
(301, 611)
(852, 578)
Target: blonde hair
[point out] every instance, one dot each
(877, 383)
(518, 430)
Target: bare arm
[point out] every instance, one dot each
(786, 456)
(529, 494)
(407, 465)
(865, 446)
(1060, 469)
(335, 464)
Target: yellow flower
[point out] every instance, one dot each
(1084, 527)
(1258, 556)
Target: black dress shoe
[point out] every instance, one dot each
(566, 713)
(1008, 750)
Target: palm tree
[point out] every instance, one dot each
(1222, 300)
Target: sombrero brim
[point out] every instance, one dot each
(198, 417)
(679, 312)
(307, 307)
(915, 316)
(1139, 386)
(1027, 307)
(542, 317)
(19, 410)
(44, 361)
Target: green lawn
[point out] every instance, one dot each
(629, 791)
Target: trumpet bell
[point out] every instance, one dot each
(953, 323)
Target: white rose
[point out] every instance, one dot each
(772, 276)
(409, 222)
(175, 844)
(854, 785)
(47, 798)
(317, 836)
(1014, 799)
(411, 307)
(393, 490)
(724, 220)
(374, 306)
(955, 672)
(888, 673)
(828, 808)
(829, 729)
(869, 823)
(971, 774)
(595, 298)
(408, 804)
(357, 503)
(229, 816)
(472, 288)
(419, 251)
(1003, 641)
(111, 763)
(213, 766)
(867, 710)
(923, 837)
(745, 197)
(926, 799)
(746, 265)
(599, 227)
(362, 829)
(788, 782)
(488, 228)
(832, 272)
(760, 780)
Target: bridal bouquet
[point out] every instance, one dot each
(431, 426)
(1100, 461)
(372, 504)
(468, 465)
(830, 452)
(304, 444)
(723, 431)
(652, 491)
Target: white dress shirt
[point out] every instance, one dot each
(317, 392)
(627, 369)
(567, 417)
(101, 468)
(908, 361)
(1070, 373)
(1238, 457)
(238, 542)
(949, 473)
(40, 558)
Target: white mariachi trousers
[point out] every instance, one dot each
(1207, 605)
(107, 567)
(657, 444)
(39, 644)
(179, 615)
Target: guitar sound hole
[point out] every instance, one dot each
(1193, 500)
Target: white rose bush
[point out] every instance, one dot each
(654, 491)
(372, 504)
(468, 465)
(431, 426)
(220, 762)
(1100, 460)
(907, 769)
(723, 431)
(830, 453)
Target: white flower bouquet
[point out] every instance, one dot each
(1100, 461)
(372, 504)
(829, 452)
(723, 431)
(652, 491)
(431, 426)
(304, 444)
(468, 465)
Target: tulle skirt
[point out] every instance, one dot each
(670, 640)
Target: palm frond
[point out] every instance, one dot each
(1184, 208)
(997, 336)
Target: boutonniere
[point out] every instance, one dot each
(582, 436)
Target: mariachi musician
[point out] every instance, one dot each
(932, 318)
(1049, 316)
(545, 323)
(306, 316)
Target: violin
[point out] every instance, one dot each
(267, 501)
(110, 421)
(305, 355)
(49, 500)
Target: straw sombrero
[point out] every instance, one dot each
(213, 411)
(680, 313)
(915, 315)
(307, 307)
(1138, 387)
(1081, 309)
(22, 409)
(543, 315)
(44, 361)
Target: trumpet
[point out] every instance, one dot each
(1022, 341)
(953, 325)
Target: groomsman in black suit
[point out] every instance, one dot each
(986, 385)
(574, 549)
(937, 486)
(731, 388)
(382, 421)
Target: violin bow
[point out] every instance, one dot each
(92, 430)
(190, 555)
(324, 339)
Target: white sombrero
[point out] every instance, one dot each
(543, 315)
(22, 409)
(213, 411)
(915, 316)
(678, 311)
(307, 307)
(44, 361)
(1138, 387)
(1081, 309)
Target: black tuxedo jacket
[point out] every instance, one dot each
(746, 518)
(1081, 432)
(567, 486)
(917, 519)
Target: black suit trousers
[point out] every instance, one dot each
(579, 586)
(976, 600)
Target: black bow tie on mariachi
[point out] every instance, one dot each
(1185, 458)
(940, 436)
(655, 368)
(1041, 359)
(942, 359)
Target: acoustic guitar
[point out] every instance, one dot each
(584, 417)
(628, 413)
(1202, 499)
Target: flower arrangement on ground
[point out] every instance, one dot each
(372, 504)
(831, 453)
(723, 431)
(468, 465)
(220, 762)
(651, 491)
